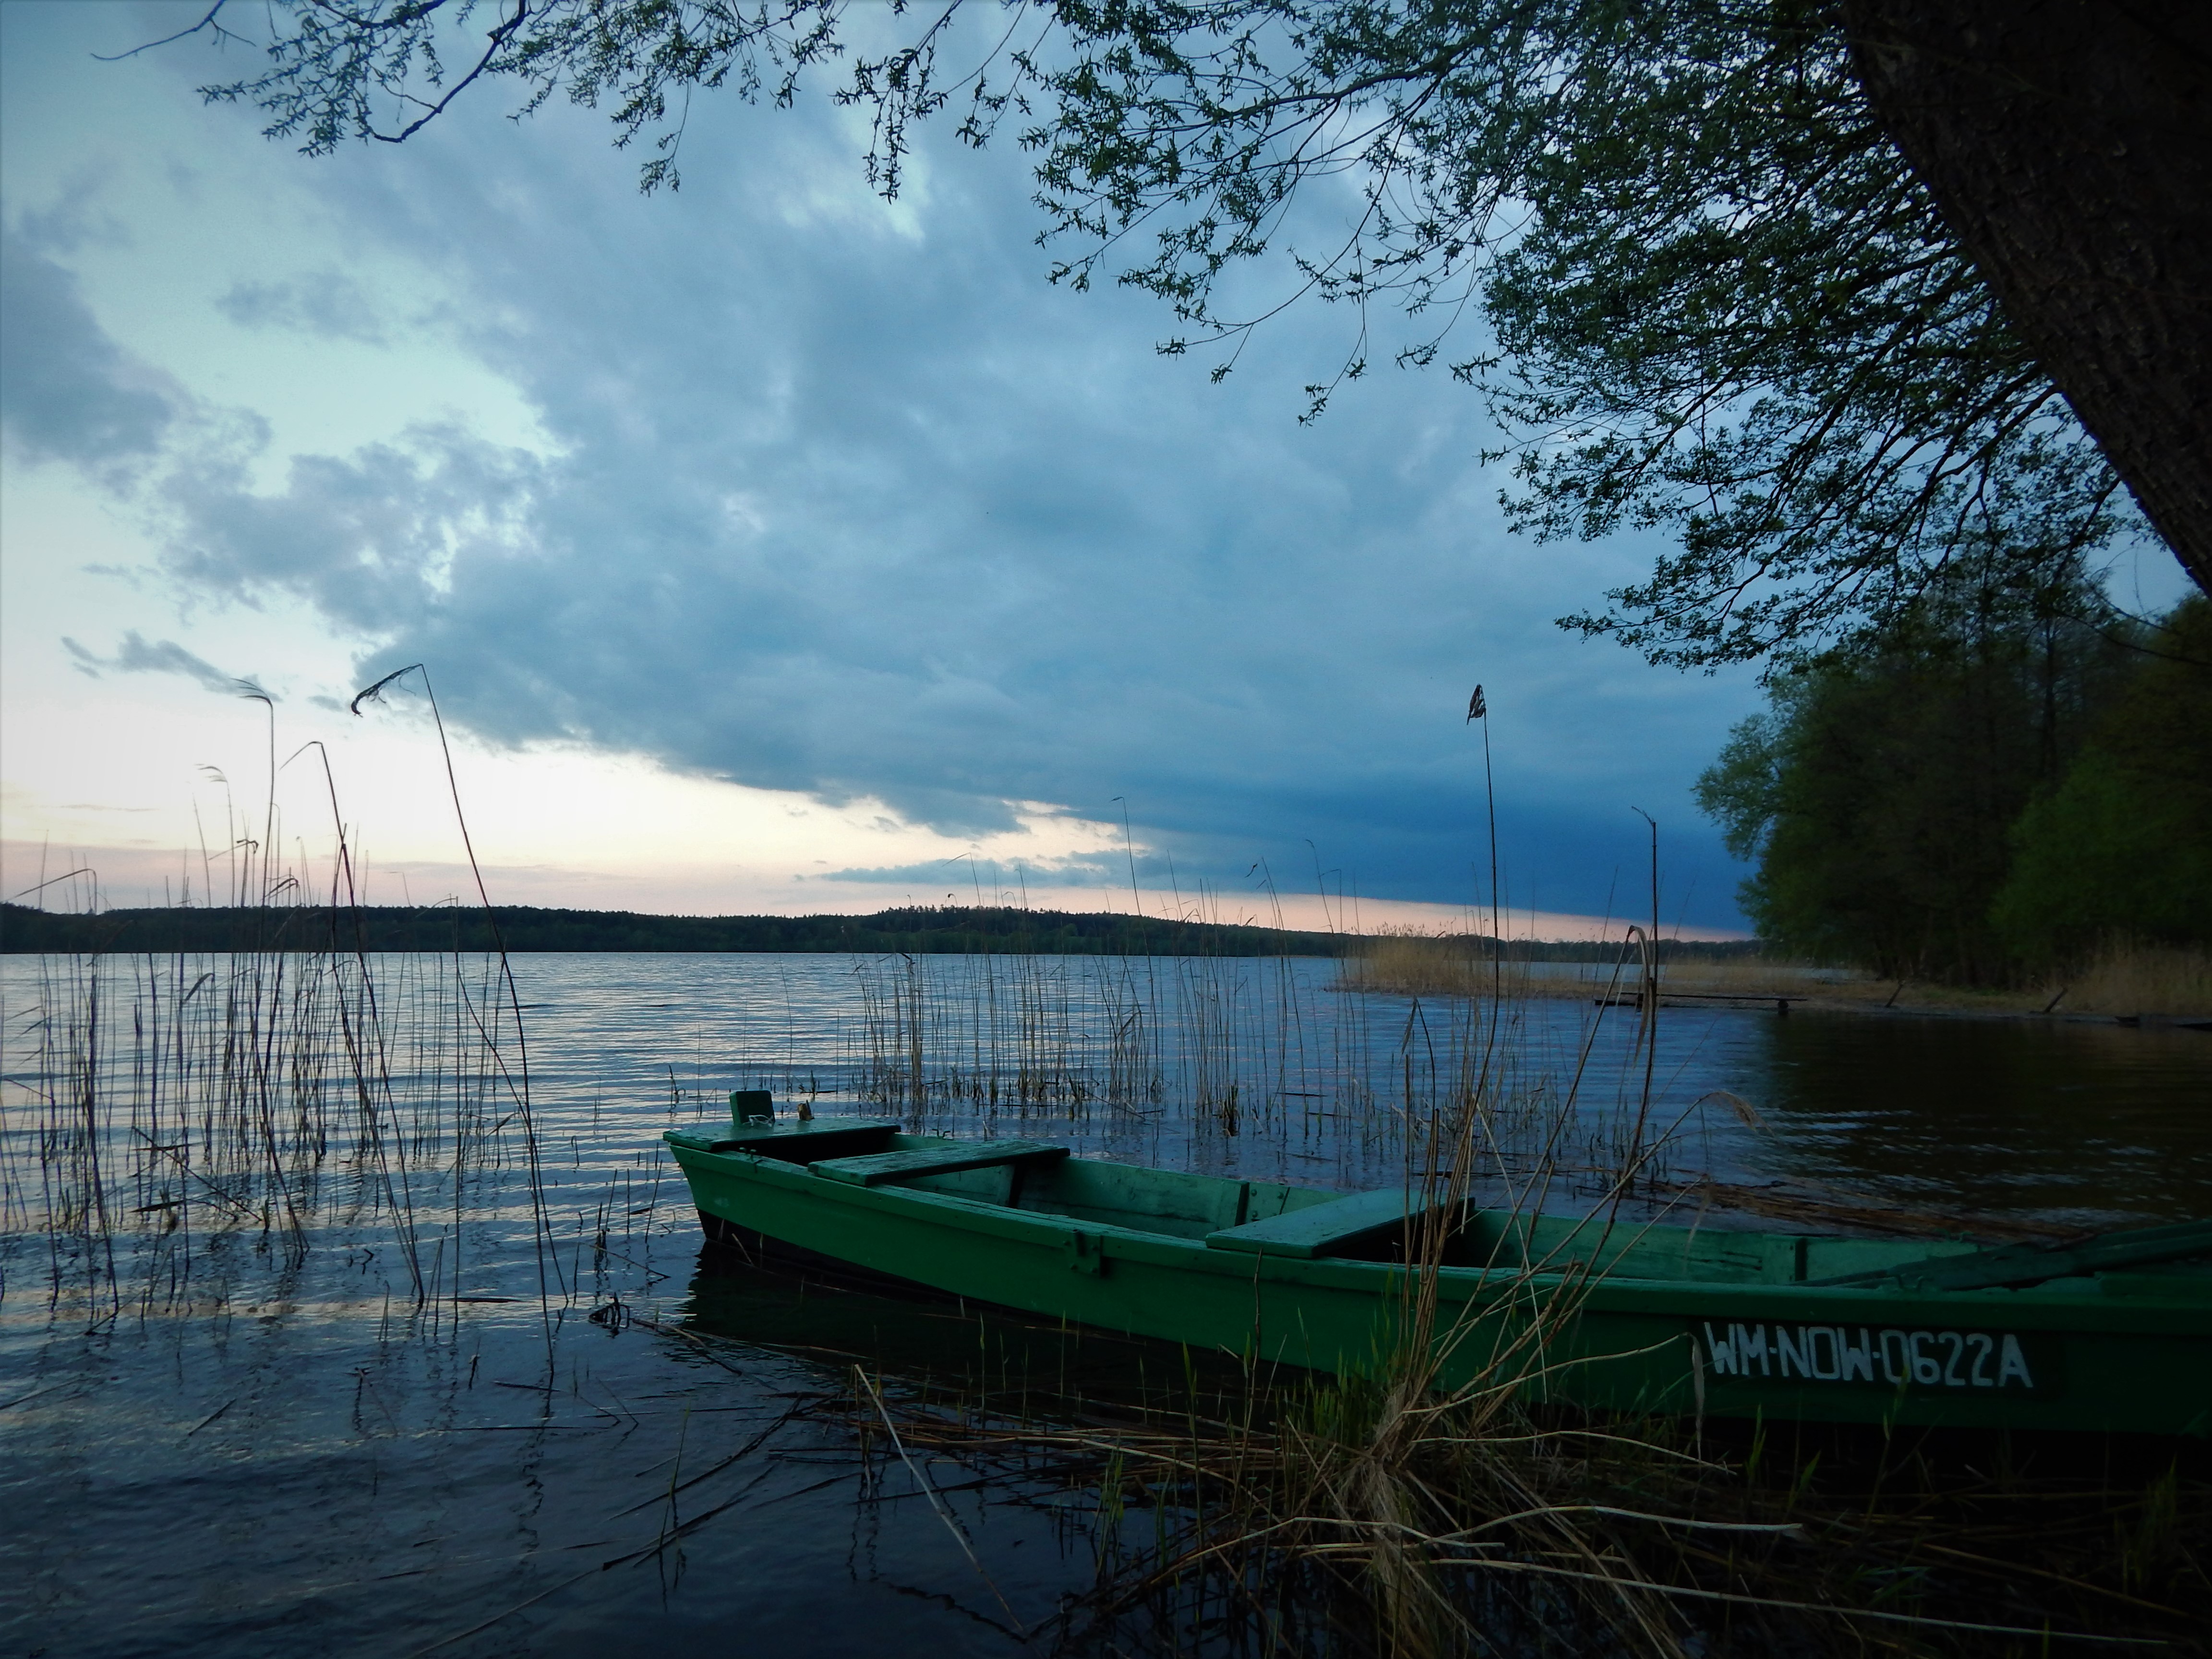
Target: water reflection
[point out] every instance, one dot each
(2066, 1121)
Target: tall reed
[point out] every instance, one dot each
(161, 1108)
(162, 1111)
(1435, 1505)
(2129, 978)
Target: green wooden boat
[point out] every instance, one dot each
(2114, 1332)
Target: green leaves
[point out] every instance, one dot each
(2122, 848)
(1742, 791)
(1996, 786)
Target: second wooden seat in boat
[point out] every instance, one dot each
(1356, 1224)
(880, 1168)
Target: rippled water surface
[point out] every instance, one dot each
(2076, 1120)
(222, 1433)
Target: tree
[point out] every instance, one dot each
(1763, 275)
(2069, 146)
(1876, 795)
(2123, 847)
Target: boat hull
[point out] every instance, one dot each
(2080, 1355)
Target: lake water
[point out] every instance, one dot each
(229, 1423)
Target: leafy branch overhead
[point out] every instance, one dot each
(1709, 296)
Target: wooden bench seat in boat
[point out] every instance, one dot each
(795, 1143)
(1342, 1226)
(1170, 1202)
(879, 1168)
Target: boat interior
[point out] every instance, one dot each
(1269, 1218)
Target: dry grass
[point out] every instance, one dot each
(158, 1108)
(1388, 1516)
(1401, 1515)
(2126, 978)
(155, 1105)
(1752, 977)
(1431, 965)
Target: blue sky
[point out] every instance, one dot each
(772, 547)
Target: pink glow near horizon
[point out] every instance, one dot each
(132, 877)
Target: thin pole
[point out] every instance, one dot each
(1477, 709)
(1129, 848)
(1497, 932)
(1649, 1024)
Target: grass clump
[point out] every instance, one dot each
(1405, 1514)
(2126, 977)
(1377, 1516)
(1410, 964)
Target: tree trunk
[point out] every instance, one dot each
(2069, 143)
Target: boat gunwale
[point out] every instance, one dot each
(2074, 1307)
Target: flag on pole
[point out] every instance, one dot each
(1476, 709)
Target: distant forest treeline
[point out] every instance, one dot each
(916, 930)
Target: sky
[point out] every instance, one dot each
(770, 548)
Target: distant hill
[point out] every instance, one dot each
(916, 930)
(939, 930)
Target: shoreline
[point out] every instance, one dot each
(1801, 993)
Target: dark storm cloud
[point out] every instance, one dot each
(862, 507)
(67, 391)
(371, 538)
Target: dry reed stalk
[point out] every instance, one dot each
(1372, 1519)
(1755, 976)
(171, 1105)
(1401, 1513)
(2131, 979)
(1460, 966)
(1430, 965)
